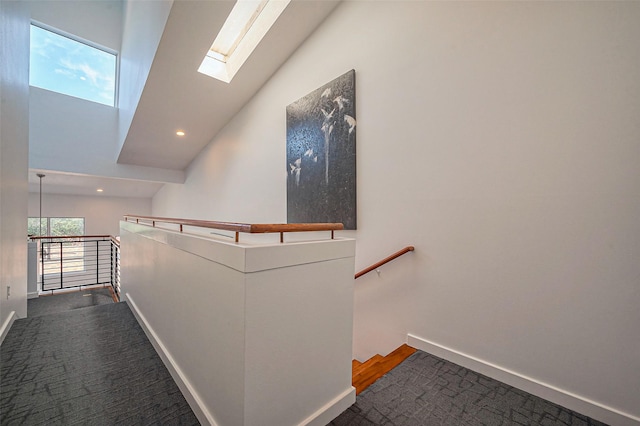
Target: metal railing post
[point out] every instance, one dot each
(97, 261)
(42, 265)
(112, 266)
(61, 267)
(115, 250)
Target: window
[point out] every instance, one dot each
(56, 226)
(54, 251)
(34, 228)
(244, 28)
(64, 65)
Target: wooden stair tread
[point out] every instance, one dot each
(367, 364)
(366, 378)
(365, 374)
(392, 360)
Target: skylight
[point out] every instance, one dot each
(244, 28)
(64, 65)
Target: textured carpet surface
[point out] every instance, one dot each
(60, 302)
(91, 366)
(95, 366)
(427, 390)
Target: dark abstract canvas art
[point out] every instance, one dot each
(321, 155)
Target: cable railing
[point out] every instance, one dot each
(67, 262)
(385, 260)
(115, 267)
(237, 228)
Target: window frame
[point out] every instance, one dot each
(89, 43)
(47, 220)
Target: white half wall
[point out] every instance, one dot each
(14, 148)
(102, 215)
(254, 334)
(501, 139)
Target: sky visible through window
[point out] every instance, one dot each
(66, 66)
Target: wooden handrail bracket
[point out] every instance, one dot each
(385, 260)
(248, 228)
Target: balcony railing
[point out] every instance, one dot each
(234, 227)
(115, 267)
(78, 261)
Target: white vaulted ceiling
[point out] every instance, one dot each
(74, 184)
(174, 96)
(177, 97)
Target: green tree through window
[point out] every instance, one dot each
(56, 226)
(33, 227)
(60, 226)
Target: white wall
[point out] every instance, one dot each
(502, 140)
(102, 215)
(143, 24)
(74, 135)
(14, 148)
(98, 21)
(239, 325)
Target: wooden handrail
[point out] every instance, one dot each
(385, 260)
(79, 237)
(68, 237)
(249, 228)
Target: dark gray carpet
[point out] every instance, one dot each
(61, 302)
(91, 366)
(426, 390)
(95, 366)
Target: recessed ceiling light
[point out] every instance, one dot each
(180, 133)
(99, 190)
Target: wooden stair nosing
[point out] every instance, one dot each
(393, 359)
(367, 364)
(364, 384)
(377, 366)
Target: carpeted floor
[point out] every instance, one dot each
(426, 390)
(92, 366)
(61, 302)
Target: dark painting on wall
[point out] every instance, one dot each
(321, 155)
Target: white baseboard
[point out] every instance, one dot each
(321, 417)
(192, 397)
(6, 326)
(549, 392)
(332, 409)
(33, 295)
